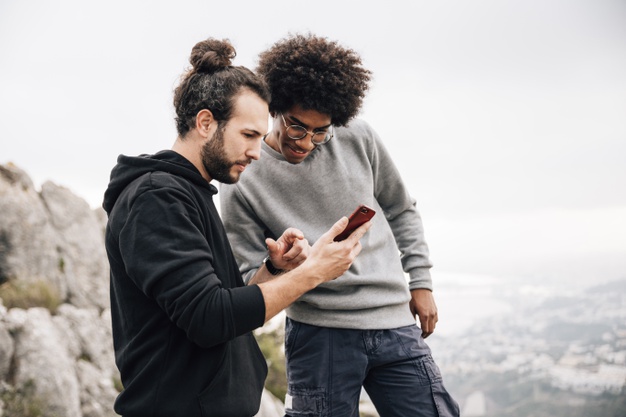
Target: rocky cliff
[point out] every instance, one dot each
(56, 356)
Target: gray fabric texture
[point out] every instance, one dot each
(353, 168)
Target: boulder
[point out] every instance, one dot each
(44, 369)
(53, 237)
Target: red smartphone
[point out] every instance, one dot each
(359, 216)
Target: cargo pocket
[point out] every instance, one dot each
(446, 406)
(306, 402)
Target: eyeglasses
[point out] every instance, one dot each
(297, 132)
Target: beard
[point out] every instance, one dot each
(216, 161)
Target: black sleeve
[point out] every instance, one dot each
(168, 257)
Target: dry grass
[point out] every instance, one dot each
(36, 294)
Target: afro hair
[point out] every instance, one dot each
(317, 74)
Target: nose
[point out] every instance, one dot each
(306, 142)
(255, 151)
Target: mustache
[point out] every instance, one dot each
(243, 162)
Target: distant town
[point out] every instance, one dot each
(552, 350)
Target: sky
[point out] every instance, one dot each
(506, 118)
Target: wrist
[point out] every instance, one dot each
(270, 267)
(307, 275)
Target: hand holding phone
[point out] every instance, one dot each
(359, 216)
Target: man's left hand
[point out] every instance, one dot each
(289, 251)
(423, 305)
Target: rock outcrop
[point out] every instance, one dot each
(57, 359)
(52, 237)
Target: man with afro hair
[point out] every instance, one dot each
(320, 162)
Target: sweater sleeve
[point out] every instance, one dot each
(168, 257)
(245, 230)
(401, 214)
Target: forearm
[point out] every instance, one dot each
(408, 232)
(280, 291)
(261, 275)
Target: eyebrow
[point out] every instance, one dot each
(298, 122)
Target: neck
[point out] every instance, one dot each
(190, 148)
(272, 140)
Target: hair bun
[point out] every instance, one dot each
(212, 54)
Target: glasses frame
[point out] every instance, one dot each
(328, 135)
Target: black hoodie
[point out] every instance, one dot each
(182, 317)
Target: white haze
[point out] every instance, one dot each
(507, 119)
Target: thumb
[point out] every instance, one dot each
(336, 229)
(273, 247)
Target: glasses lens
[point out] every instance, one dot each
(296, 132)
(321, 138)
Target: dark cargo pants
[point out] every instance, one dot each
(327, 367)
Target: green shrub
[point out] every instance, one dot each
(117, 384)
(271, 346)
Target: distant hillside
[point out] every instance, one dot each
(554, 355)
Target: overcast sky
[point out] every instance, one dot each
(507, 119)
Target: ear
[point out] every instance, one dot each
(204, 119)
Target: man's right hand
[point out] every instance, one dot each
(326, 261)
(329, 259)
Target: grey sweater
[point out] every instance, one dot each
(353, 168)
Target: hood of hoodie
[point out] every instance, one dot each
(129, 168)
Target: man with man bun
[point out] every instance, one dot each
(182, 317)
(318, 163)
